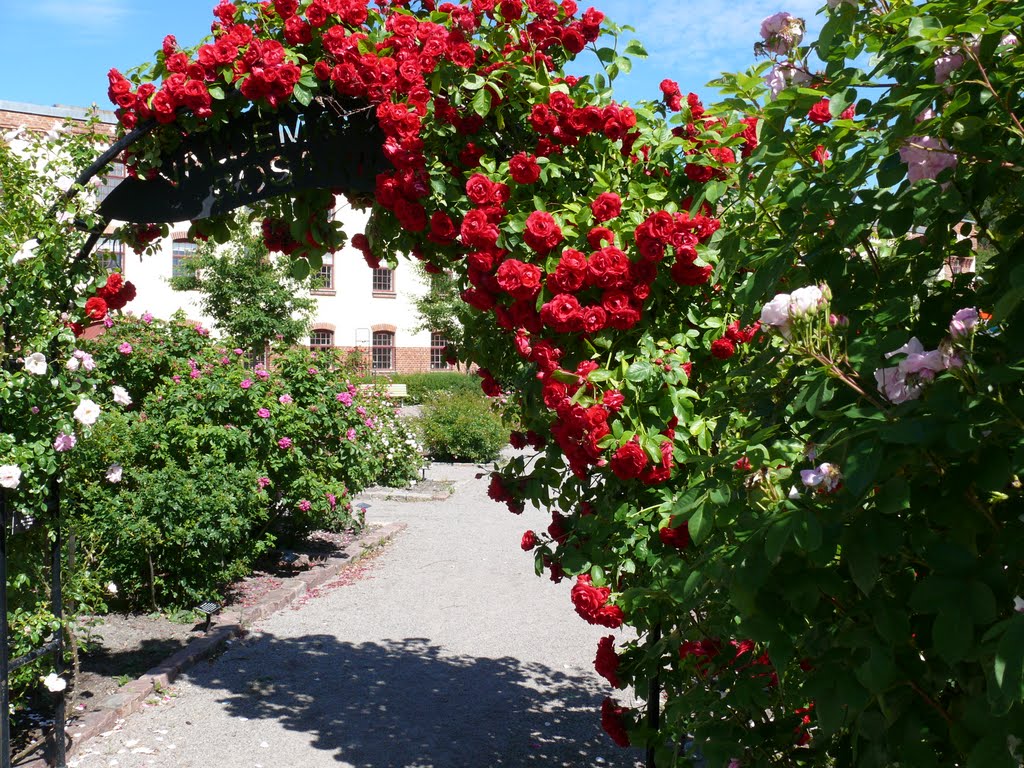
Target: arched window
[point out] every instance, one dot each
(321, 338)
(437, 355)
(383, 351)
(182, 252)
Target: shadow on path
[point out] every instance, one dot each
(407, 704)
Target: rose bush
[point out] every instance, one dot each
(215, 461)
(845, 590)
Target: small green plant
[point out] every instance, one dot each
(462, 427)
(123, 680)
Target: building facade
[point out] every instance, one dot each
(370, 312)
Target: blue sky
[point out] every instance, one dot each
(59, 51)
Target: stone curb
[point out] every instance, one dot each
(230, 624)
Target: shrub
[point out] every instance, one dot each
(422, 385)
(462, 427)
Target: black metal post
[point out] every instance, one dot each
(5, 696)
(654, 701)
(57, 600)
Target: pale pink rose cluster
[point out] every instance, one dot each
(926, 157)
(80, 359)
(781, 76)
(782, 32)
(802, 303)
(919, 366)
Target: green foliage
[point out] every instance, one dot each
(219, 462)
(421, 386)
(462, 426)
(249, 292)
(440, 308)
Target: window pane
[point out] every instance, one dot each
(321, 339)
(110, 254)
(383, 351)
(437, 355)
(181, 252)
(383, 280)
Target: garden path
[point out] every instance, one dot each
(449, 654)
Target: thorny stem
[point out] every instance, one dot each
(930, 702)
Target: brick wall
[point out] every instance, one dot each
(407, 359)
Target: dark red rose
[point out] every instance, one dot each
(722, 348)
(442, 229)
(613, 399)
(488, 384)
(686, 273)
(606, 206)
(562, 313)
(524, 168)
(607, 661)
(542, 232)
(677, 537)
(588, 599)
(599, 236)
(629, 461)
(529, 541)
(608, 268)
(518, 279)
(742, 464)
(613, 722)
(546, 355)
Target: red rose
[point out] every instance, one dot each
(629, 461)
(557, 528)
(442, 229)
(608, 268)
(594, 319)
(554, 393)
(562, 313)
(477, 231)
(673, 97)
(819, 154)
(677, 537)
(722, 348)
(613, 723)
(479, 189)
(606, 206)
(742, 464)
(613, 399)
(820, 113)
(529, 541)
(607, 661)
(599, 236)
(546, 355)
(849, 113)
(542, 232)
(518, 279)
(114, 282)
(588, 599)
(570, 274)
(96, 308)
(686, 273)
(524, 168)
(622, 315)
(488, 384)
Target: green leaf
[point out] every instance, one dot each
(862, 559)
(952, 636)
(1009, 661)
(635, 48)
(700, 523)
(775, 540)
(482, 103)
(640, 371)
(302, 94)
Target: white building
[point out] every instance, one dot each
(372, 311)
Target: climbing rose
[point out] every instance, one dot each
(524, 168)
(64, 442)
(612, 722)
(87, 412)
(722, 348)
(36, 364)
(284, 443)
(607, 661)
(121, 396)
(963, 322)
(591, 604)
(820, 113)
(606, 206)
(677, 537)
(629, 461)
(781, 32)
(542, 232)
(10, 475)
(529, 541)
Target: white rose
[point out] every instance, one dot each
(36, 364)
(121, 396)
(804, 301)
(10, 475)
(54, 682)
(27, 251)
(87, 412)
(111, 587)
(73, 364)
(114, 473)
(776, 311)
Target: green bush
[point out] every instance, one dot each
(219, 461)
(462, 426)
(423, 385)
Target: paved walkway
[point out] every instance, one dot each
(450, 654)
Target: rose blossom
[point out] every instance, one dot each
(27, 251)
(806, 300)
(782, 76)
(263, 413)
(10, 475)
(147, 318)
(114, 472)
(781, 32)
(73, 364)
(963, 322)
(263, 482)
(305, 505)
(121, 396)
(825, 476)
(54, 682)
(606, 663)
(64, 442)
(125, 348)
(351, 435)
(284, 443)
(87, 412)
(776, 311)
(284, 399)
(246, 383)
(36, 364)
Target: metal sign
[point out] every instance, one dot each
(253, 157)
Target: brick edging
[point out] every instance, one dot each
(231, 623)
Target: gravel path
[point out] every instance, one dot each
(450, 653)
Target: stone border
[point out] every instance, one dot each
(229, 624)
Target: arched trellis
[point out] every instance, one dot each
(326, 145)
